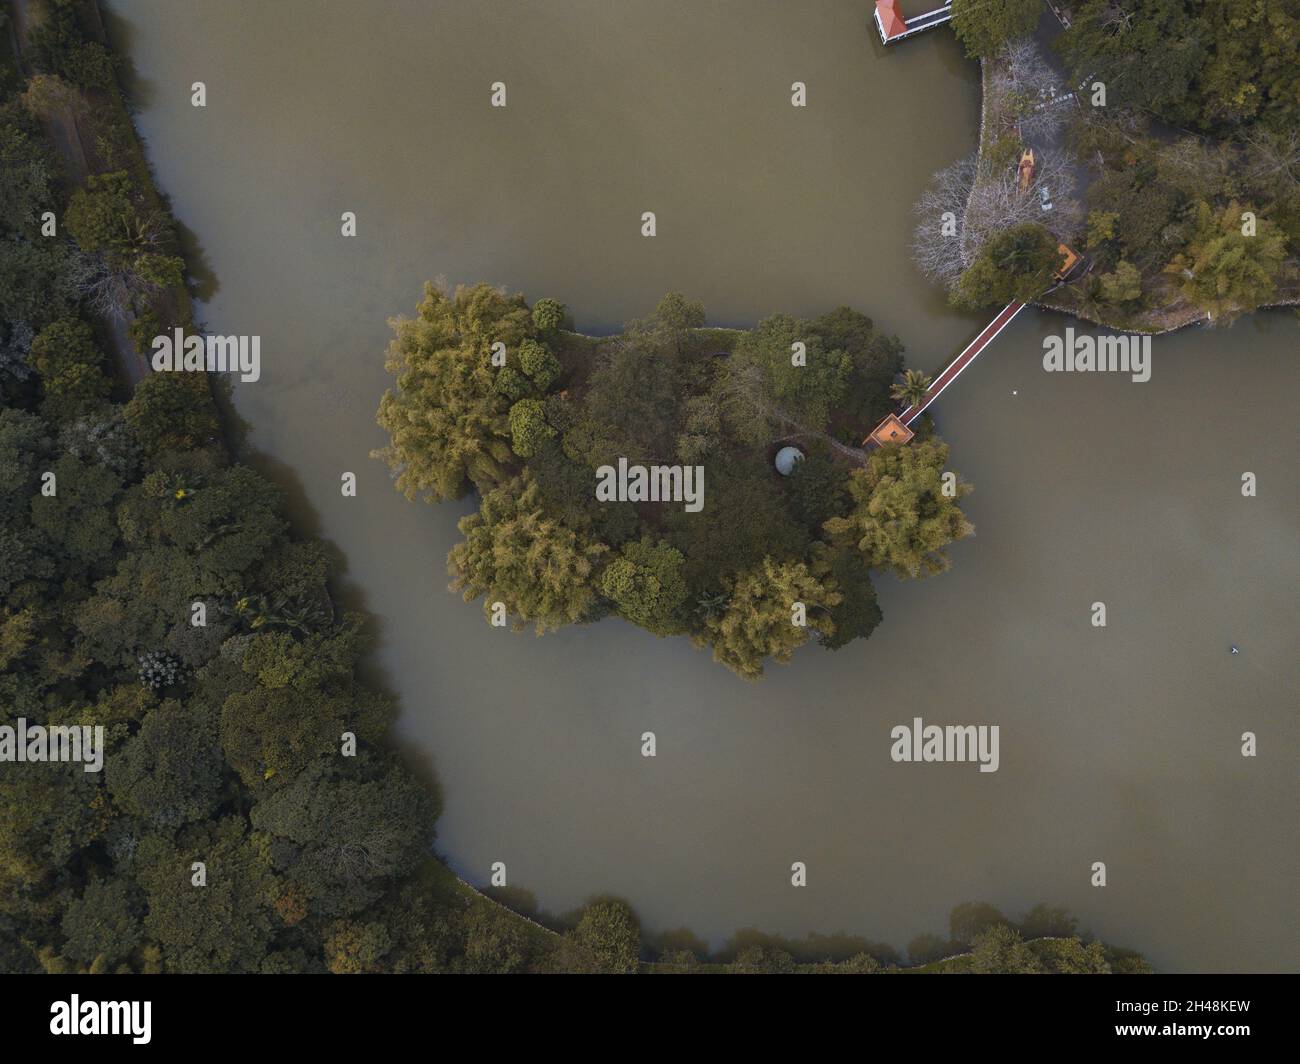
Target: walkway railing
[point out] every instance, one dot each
(968, 355)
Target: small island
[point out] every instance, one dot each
(500, 398)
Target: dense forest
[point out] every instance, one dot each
(251, 814)
(1177, 172)
(531, 434)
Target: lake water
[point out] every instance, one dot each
(1119, 744)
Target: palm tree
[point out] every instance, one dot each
(912, 389)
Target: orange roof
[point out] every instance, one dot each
(891, 20)
(1071, 257)
(891, 430)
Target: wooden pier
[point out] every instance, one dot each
(895, 26)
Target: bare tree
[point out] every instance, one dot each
(939, 246)
(109, 287)
(1273, 159)
(49, 96)
(964, 207)
(1195, 165)
(1024, 70)
(1025, 86)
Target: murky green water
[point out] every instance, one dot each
(1118, 744)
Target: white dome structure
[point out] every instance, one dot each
(786, 459)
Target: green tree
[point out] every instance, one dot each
(646, 581)
(912, 389)
(172, 411)
(353, 830)
(759, 620)
(160, 271)
(609, 932)
(170, 772)
(674, 318)
(57, 44)
(77, 523)
(549, 315)
(1101, 227)
(226, 520)
(104, 923)
(446, 420)
(1122, 286)
(354, 947)
(225, 926)
(1014, 264)
(268, 735)
(745, 518)
(760, 959)
(928, 947)
(46, 819)
(1224, 271)
(816, 487)
(902, 517)
(512, 553)
(539, 363)
(528, 427)
(1071, 957)
(877, 360)
(1146, 52)
(1001, 951)
(984, 26)
(1252, 72)
(858, 613)
(65, 355)
(633, 406)
(971, 919)
(701, 429)
(102, 216)
(769, 382)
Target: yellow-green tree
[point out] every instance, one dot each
(646, 581)
(905, 511)
(513, 554)
(1232, 263)
(761, 619)
(447, 421)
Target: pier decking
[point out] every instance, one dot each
(895, 26)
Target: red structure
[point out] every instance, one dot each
(894, 25)
(890, 20)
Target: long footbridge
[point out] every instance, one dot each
(895, 428)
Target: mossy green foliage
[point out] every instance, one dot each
(1015, 264)
(984, 26)
(1210, 220)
